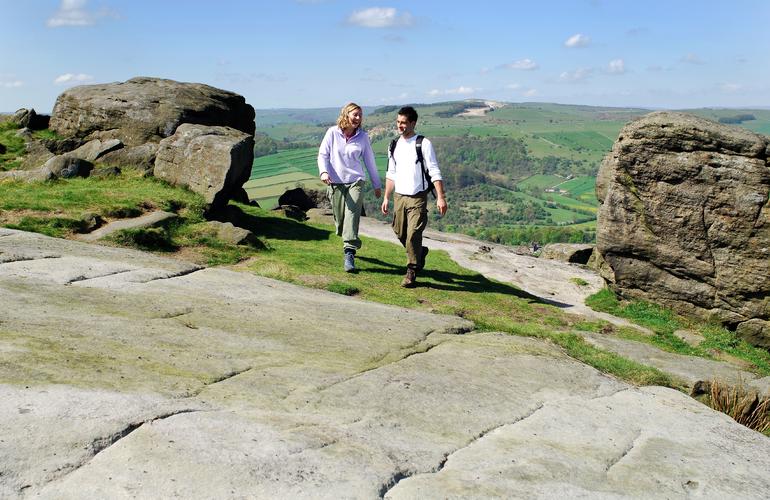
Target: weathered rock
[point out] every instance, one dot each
(685, 218)
(319, 198)
(137, 157)
(67, 167)
(61, 146)
(28, 118)
(34, 175)
(151, 220)
(298, 198)
(144, 110)
(103, 172)
(567, 252)
(93, 150)
(212, 161)
(292, 212)
(165, 380)
(229, 233)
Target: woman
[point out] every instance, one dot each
(343, 149)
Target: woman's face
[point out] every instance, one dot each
(355, 117)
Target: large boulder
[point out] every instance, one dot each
(212, 161)
(144, 110)
(28, 118)
(685, 219)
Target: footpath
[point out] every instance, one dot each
(127, 375)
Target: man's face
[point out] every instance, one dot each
(404, 126)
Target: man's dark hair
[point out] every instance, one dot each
(409, 112)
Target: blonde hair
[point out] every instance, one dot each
(342, 121)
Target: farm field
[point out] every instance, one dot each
(567, 139)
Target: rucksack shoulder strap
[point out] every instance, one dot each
(418, 147)
(392, 146)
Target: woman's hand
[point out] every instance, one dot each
(377, 192)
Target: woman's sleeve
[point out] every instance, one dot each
(324, 153)
(371, 164)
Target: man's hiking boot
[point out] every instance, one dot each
(350, 263)
(421, 261)
(410, 280)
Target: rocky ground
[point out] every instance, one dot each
(126, 375)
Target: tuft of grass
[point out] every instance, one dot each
(579, 281)
(342, 288)
(744, 406)
(157, 239)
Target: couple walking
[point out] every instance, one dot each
(412, 173)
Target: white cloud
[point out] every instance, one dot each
(380, 17)
(577, 40)
(731, 88)
(530, 93)
(616, 67)
(11, 84)
(575, 76)
(692, 59)
(75, 13)
(523, 64)
(461, 90)
(513, 86)
(71, 78)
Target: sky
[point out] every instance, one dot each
(669, 54)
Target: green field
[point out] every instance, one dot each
(579, 136)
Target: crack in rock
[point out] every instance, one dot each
(226, 376)
(81, 278)
(413, 348)
(401, 475)
(100, 444)
(169, 276)
(23, 258)
(625, 452)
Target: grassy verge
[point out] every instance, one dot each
(664, 322)
(306, 254)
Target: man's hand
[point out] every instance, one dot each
(384, 208)
(441, 205)
(325, 178)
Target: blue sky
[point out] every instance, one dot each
(323, 53)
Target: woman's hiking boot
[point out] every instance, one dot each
(350, 262)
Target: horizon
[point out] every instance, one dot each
(310, 54)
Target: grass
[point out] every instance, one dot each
(745, 407)
(664, 322)
(14, 146)
(308, 254)
(58, 208)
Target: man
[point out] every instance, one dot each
(412, 180)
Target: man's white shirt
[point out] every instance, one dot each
(405, 173)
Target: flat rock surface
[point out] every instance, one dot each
(126, 375)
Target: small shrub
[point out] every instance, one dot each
(342, 288)
(745, 407)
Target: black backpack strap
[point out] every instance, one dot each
(392, 148)
(421, 160)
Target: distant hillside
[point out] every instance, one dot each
(537, 160)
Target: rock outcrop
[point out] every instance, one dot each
(130, 375)
(212, 161)
(143, 110)
(567, 252)
(685, 219)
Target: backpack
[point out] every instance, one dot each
(420, 160)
